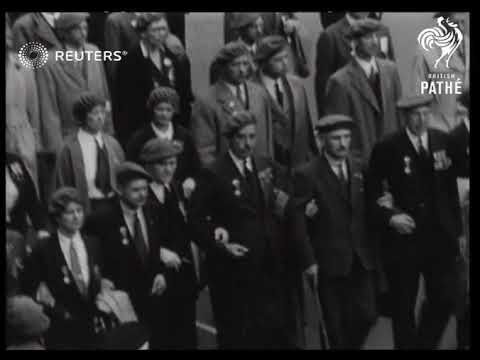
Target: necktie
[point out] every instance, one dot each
(139, 239)
(102, 177)
(422, 152)
(343, 180)
(76, 270)
(239, 94)
(251, 183)
(278, 94)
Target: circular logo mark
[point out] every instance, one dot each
(33, 55)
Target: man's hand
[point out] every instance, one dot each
(189, 186)
(106, 284)
(236, 250)
(402, 223)
(170, 259)
(386, 201)
(312, 275)
(44, 296)
(159, 285)
(221, 236)
(311, 209)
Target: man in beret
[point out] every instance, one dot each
(60, 82)
(169, 200)
(294, 140)
(26, 324)
(130, 235)
(425, 69)
(236, 211)
(420, 227)
(338, 253)
(163, 107)
(231, 91)
(149, 65)
(334, 51)
(88, 157)
(366, 89)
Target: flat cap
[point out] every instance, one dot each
(364, 27)
(237, 121)
(66, 20)
(158, 149)
(25, 318)
(128, 171)
(412, 101)
(84, 103)
(242, 19)
(334, 122)
(269, 46)
(230, 52)
(163, 94)
(127, 336)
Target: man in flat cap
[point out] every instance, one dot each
(334, 51)
(420, 227)
(426, 68)
(169, 200)
(149, 65)
(236, 212)
(60, 82)
(231, 91)
(339, 255)
(165, 123)
(294, 139)
(131, 236)
(366, 89)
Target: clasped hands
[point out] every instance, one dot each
(233, 249)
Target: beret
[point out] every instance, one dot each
(144, 19)
(238, 120)
(62, 197)
(408, 102)
(128, 171)
(84, 103)
(230, 52)
(127, 336)
(67, 20)
(242, 19)
(158, 149)
(334, 122)
(269, 46)
(163, 94)
(464, 99)
(25, 318)
(364, 27)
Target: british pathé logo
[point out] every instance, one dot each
(447, 36)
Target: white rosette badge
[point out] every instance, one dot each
(236, 185)
(123, 232)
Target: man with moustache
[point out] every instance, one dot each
(421, 227)
(232, 91)
(366, 89)
(339, 255)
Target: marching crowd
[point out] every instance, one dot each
(127, 193)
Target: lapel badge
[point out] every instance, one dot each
(441, 161)
(123, 232)
(66, 277)
(407, 162)
(236, 185)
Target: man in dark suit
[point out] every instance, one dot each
(64, 273)
(331, 215)
(421, 227)
(168, 200)
(130, 235)
(237, 207)
(366, 89)
(294, 139)
(334, 52)
(149, 65)
(163, 105)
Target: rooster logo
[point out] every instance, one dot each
(447, 36)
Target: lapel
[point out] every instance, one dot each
(93, 266)
(360, 82)
(77, 159)
(74, 73)
(259, 166)
(355, 177)
(43, 30)
(226, 99)
(151, 233)
(325, 172)
(293, 98)
(384, 81)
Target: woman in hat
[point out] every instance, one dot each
(64, 274)
(165, 123)
(88, 157)
(169, 203)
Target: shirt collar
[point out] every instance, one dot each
(127, 211)
(239, 162)
(86, 135)
(233, 88)
(270, 82)
(163, 134)
(414, 139)
(367, 66)
(66, 241)
(334, 163)
(146, 53)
